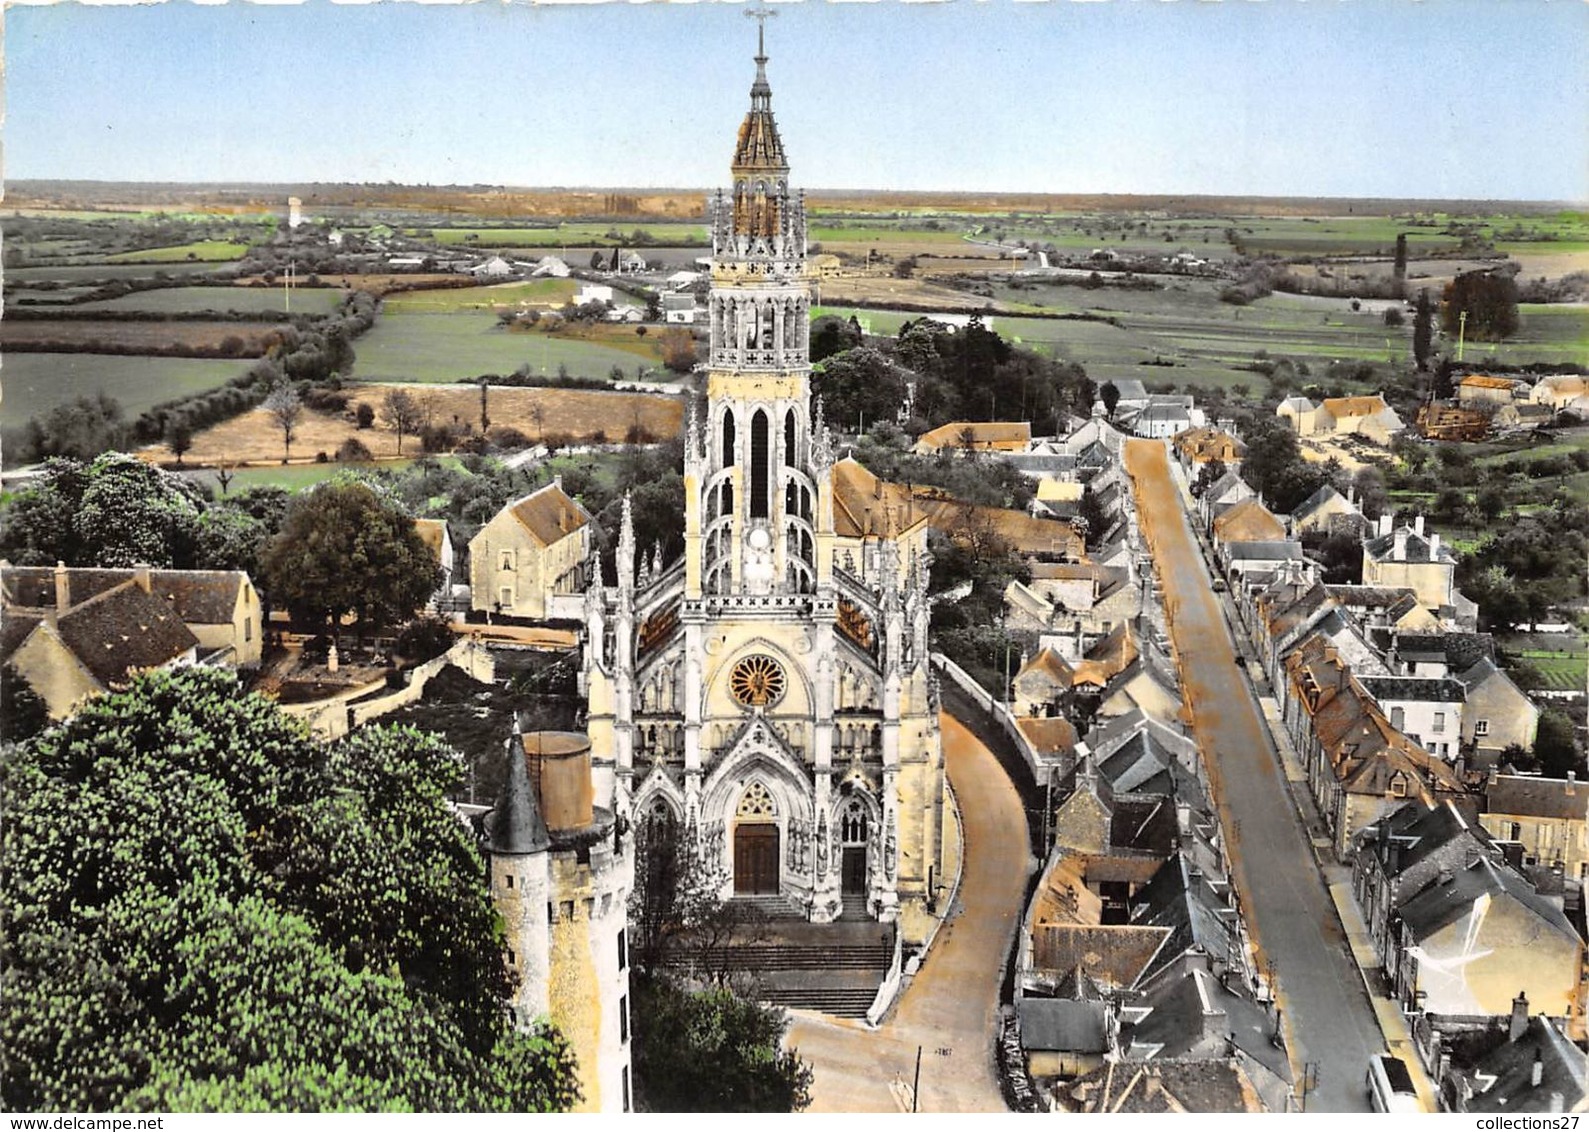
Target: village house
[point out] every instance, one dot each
(1358, 765)
(1498, 713)
(1457, 929)
(1562, 391)
(1197, 447)
(1394, 607)
(550, 267)
(1366, 415)
(679, 308)
(1164, 416)
(1220, 496)
(1247, 521)
(1480, 391)
(1548, 817)
(433, 533)
(1041, 685)
(1407, 557)
(1324, 512)
(533, 558)
(1426, 710)
(592, 293)
(1534, 1068)
(1436, 421)
(494, 268)
(72, 638)
(976, 436)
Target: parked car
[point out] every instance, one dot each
(1390, 1085)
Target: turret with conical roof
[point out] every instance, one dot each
(517, 843)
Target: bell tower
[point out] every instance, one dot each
(751, 478)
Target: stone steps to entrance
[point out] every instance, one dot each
(842, 1002)
(759, 958)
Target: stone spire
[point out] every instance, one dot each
(626, 547)
(516, 826)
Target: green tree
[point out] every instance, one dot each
(1422, 330)
(179, 437)
(116, 511)
(345, 548)
(401, 413)
(1111, 397)
(81, 429)
(1554, 745)
(229, 538)
(859, 385)
(712, 1051)
(1489, 298)
(228, 914)
(1399, 268)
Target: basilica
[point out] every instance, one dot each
(770, 689)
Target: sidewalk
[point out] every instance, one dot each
(1337, 877)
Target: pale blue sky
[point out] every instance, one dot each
(1445, 98)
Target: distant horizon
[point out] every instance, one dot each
(17, 184)
(1380, 100)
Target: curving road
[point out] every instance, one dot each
(949, 1008)
(1295, 930)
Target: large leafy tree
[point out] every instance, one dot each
(204, 908)
(861, 386)
(1489, 299)
(712, 1051)
(115, 511)
(346, 547)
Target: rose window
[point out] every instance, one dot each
(757, 681)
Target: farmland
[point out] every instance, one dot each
(535, 292)
(254, 437)
(594, 235)
(464, 345)
(245, 300)
(80, 272)
(36, 383)
(206, 251)
(175, 338)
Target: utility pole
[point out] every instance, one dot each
(915, 1088)
(1462, 332)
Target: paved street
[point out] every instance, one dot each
(949, 1008)
(1295, 929)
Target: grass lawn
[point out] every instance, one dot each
(204, 251)
(1561, 671)
(36, 383)
(535, 292)
(247, 300)
(463, 345)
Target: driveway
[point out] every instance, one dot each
(949, 1008)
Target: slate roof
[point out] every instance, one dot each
(1187, 905)
(15, 625)
(1324, 495)
(1446, 901)
(1420, 689)
(549, 514)
(1528, 796)
(1506, 1074)
(1143, 825)
(1229, 483)
(1417, 548)
(1194, 1014)
(122, 631)
(516, 826)
(1459, 651)
(1060, 1024)
(1282, 550)
(201, 597)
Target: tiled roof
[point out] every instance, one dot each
(1048, 736)
(1049, 663)
(981, 434)
(1248, 521)
(1214, 1084)
(1364, 406)
(1485, 381)
(122, 631)
(433, 533)
(865, 505)
(549, 514)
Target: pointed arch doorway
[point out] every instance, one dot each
(854, 827)
(756, 843)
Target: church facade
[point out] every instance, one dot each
(771, 688)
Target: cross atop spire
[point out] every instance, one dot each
(761, 15)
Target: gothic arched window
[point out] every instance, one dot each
(758, 465)
(728, 438)
(789, 438)
(853, 823)
(756, 804)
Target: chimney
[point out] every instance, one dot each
(1384, 524)
(1399, 553)
(1417, 525)
(1434, 546)
(1519, 1019)
(140, 574)
(63, 588)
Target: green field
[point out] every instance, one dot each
(463, 345)
(1561, 672)
(536, 292)
(248, 300)
(36, 383)
(202, 251)
(883, 234)
(587, 234)
(74, 273)
(294, 477)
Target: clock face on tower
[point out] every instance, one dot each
(757, 681)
